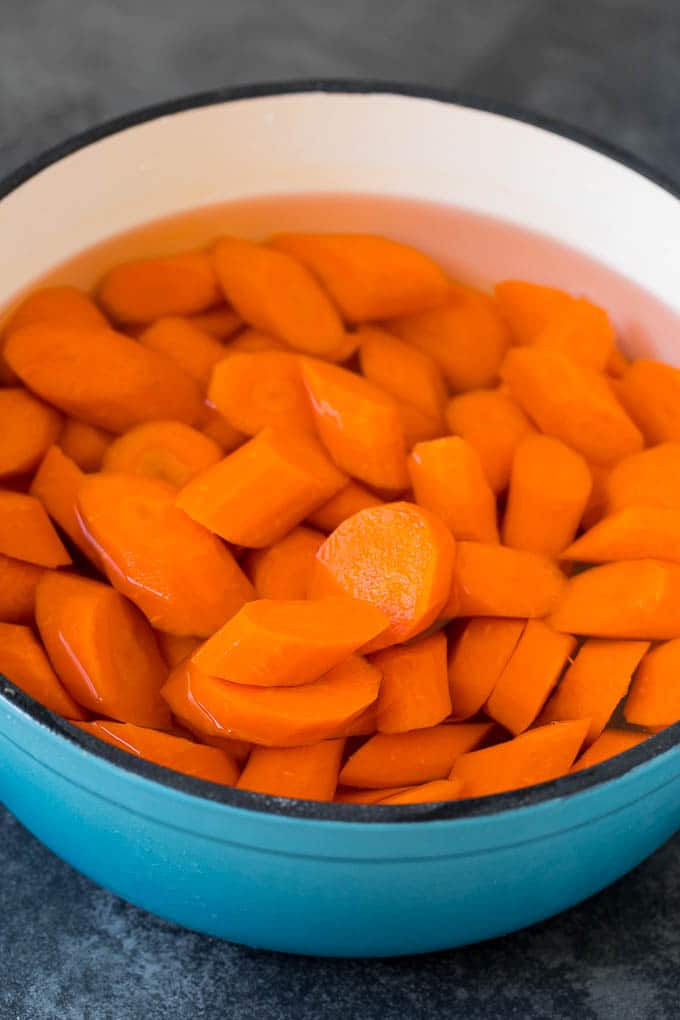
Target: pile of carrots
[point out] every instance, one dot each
(309, 518)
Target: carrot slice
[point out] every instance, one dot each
(167, 450)
(448, 479)
(607, 745)
(284, 569)
(651, 477)
(66, 306)
(346, 795)
(239, 750)
(531, 307)
(404, 759)
(221, 322)
(409, 375)
(26, 532)
(478, 659)
(142, 290)
(549, 489)
(398, 557)
(414, 692)
(27, 429)
(650, 392)
(23, 661)
(194, 350)
(175, 648)
(368, 277)
(18, 581)
(84, 444)
(359, 425)
(636, 532)
(418, 427)
(594, 684)
(254, 340)
(307, 773)
(494, 425)
(654, 698)
(277, 643)
(583, 332)
(438, 790)
(596, 506)
(347, 502)
(183, 579)
(630, 599)
(102, 649)
(492, 580)
(56, 484)
(253, 390)
(215, 427)
(363, 725)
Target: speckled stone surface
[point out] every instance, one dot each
(68, 950)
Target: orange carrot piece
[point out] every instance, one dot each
(347, 502)
(84, 444)
(536, 756)
(492, 580)
(637, 599)
(275, 293)
(418, 427)
(549, 489)
(27, 429)
(18, 581)
(239, 750)
(617, 364)
(23, 661)
(346, 795)
(531, 307)
(190, 347)
(399, 557)
(281, 643)
(263, 489)
(102, 649)
(26, 532)
(167, 450)
(477, 661)
(142, 290)
(404, 759)
(284, 569)
(358, 424)
(650, 392)
(529, 676)
(175, 648)
(409, 375)
(607, 745)
(369, 277)
(65, 306)
(56, 484)
(306, 773)
(651, 477)
(494, 425)
(253, 390)
(182, 577)
(414, 692)
(426, 793)
(596, 506)
(654, 698)
(583, 332)
(220, 322)
(636, 532)
(448, 479)
(254, 340)
(215, 427)
(100, 376)
(364, 725)
(594, 684)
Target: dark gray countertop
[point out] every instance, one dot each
(70, 951)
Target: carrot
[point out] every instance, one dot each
(190, 347)
(549, 489)
(418, 427)
(531, 307)
(275, 293)
(27, 428)
(572, 402)
(399, 557)
(409, 375)
(617, 364)
(347, 502)
(583, 332)
(448, 479)
(651, 477)
(529, 676)
(18, 581)
(414, 692)
(650, 392)
(363, 725)
(26, 532)
(23, 661)
(654, 698)
(56, 484)
(596, 506)
(100, 376)
(253, 390)
(636, 532)
(283, 570)
(254, 340)
(280, 643)
(438, 790)
(142, 290)
(492, 580)
(239, 750)
(183, 579)
(175, 648)
(84, 444)
(215, 427)
(63, 306)
(477, 661)
(307, 773)
(466, 337)
(368, 277)
(595, 682)
(263, 489)
(168, 450)
(494, 425)
(346, 795)
(102, 649)
(221, 322)
(631, 599)
(608, 744)
(404, 759)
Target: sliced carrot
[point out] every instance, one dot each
(181, 576)
(596, 506)
(23, 661)
(359, 425)
(26, 532)
(215, 427)
(284, 569)
(549, 489)
(492, 580)
(583, 332)
(253, 390)
(364, 725)
(399, 557)
(84, 444)
(281, 643)
(654, 698)
(146, 289)
(595, 682)
(530, 307)
(477, 661)
(630, 599)
(100, 376)
(347, 502)
(409, 375)
(175, 648)
(239, 750)
(617, 364)
(369, 277)
(418, 427)
(650, 392)
(607, 745)
(425, 793)
(414, 692)
(404, 759)
(263, 489)
(168, 450)
(275, 293)
(254, 340)
(531, 673)
(28, 427)
(18, 581)
(536, 756)
(306, 773)
(494, 425)
(56, 484)
(64, 306)
(448, 479)
(220, 322)
(102, 649)
(636, 532)
(190, 347)
(651, 477)
(346, 795)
